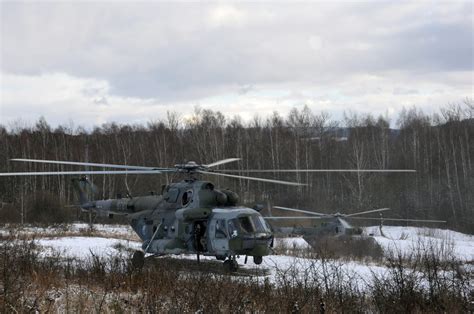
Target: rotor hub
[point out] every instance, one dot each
(190, 167)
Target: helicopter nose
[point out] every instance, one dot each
(259, 245)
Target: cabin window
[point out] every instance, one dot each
(220, 229)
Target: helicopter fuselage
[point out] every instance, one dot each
(192, 216)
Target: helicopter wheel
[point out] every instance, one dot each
(231, 265)
(257, 260)
(138, 259)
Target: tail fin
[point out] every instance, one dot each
(85, 189)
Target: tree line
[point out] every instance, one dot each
(440, 147)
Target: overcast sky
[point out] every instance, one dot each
(92, 62)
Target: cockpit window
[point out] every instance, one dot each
(247, 225)
(261, 224)
(220, 229)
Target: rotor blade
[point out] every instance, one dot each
(342, 221)
(398, 219)
(52, 173)
(221, 162)
(252, 178)
(368, 211)
(89, 164)
(300, 211)
(317, 170)
(296, 217)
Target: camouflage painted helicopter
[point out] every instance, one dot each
(334, 223)
(190, 216)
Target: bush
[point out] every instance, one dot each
(9, 213)
(346, 246)
(429, 279)
(32, 283)
(45, 208)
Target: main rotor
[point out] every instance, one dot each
(190, 168)
(339, 216)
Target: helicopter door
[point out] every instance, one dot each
(218, 235)
(200, 236)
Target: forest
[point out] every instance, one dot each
(439, 146)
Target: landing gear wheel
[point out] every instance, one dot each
(138, 259)
(257, 260)
(234, 265)
(220, 257)
(231, 265)
(227, 266)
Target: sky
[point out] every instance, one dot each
(89, 63)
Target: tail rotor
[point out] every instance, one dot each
(86, 191)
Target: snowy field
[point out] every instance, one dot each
(83, 247)
(116, 239)
(408, 239)
(109, 231)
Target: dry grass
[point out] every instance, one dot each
(29, 283)
(347, 248)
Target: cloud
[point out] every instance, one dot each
(231, 56)
(226, 15)
(62, 98)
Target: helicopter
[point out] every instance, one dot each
(335, 223)
(191, 216)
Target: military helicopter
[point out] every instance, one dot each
(335, 223)
(191, 216)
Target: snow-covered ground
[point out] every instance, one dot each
(299, 269)
(83, 247)
(113, 240)
(116, 231)
(408, 239)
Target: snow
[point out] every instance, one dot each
(407, 240)
(82, 247)
(299, 269)
(115, 231)
(113, 240)
(291, 243)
